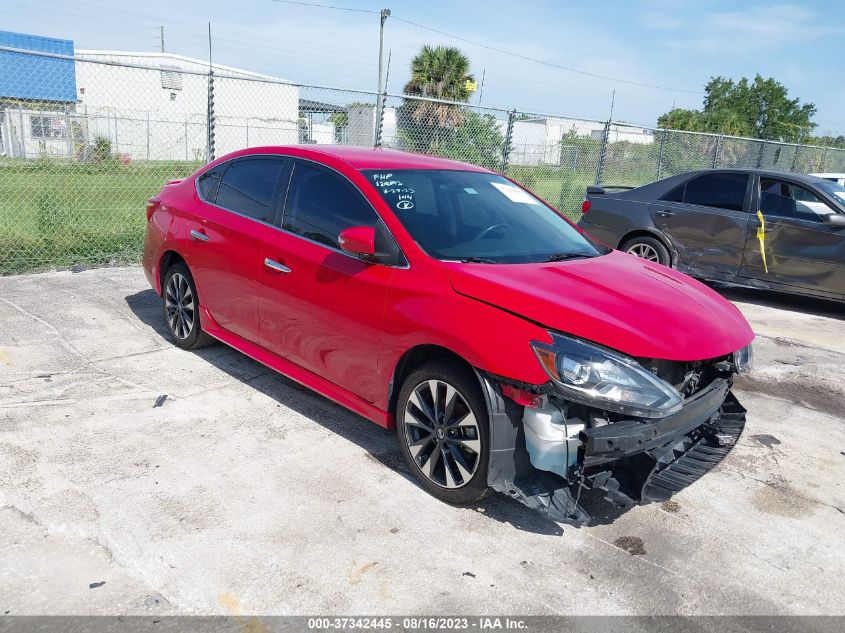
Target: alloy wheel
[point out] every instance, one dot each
(644, 251)
(179, 306)
(442, 434)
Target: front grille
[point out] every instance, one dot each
(687, 377)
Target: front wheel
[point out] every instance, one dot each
(442, 424)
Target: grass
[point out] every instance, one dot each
(55, 214)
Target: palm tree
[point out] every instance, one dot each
(439, 72)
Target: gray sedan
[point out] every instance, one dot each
(779, 231)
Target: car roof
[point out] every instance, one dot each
(810, 178)
(371, 157)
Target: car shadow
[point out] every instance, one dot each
(783, 301)
(379, 443)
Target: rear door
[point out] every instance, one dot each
(801, 250)
(706, 219)
(240, 200)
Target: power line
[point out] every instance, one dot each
(543, 62)
(325, 6)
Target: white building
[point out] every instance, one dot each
(543, 141)
(153, 106)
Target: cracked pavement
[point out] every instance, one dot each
(243, 491)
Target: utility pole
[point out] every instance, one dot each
(481, 88)
(385, 13)
(161, 29)
(612, 102)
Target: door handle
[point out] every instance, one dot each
(202, 237)
(666, 214)
(276, 266)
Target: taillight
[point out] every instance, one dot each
(585, 206)
(152, 205)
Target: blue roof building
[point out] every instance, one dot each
(35, 77)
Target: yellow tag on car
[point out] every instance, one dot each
(761, 237)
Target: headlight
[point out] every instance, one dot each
(744, 359)
(601, 378)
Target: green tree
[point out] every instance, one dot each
(760, 108)
(439, 72)
(477, 140)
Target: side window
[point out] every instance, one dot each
(207, 183)
(676, 195)
(320, 204)
(786, 200)
(247, 186)
(723, 191)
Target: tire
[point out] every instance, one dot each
(183, 324)
(648, 248)
(457, 474)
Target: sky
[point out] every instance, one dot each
(671, 46)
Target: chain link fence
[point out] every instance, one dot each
(85, 140)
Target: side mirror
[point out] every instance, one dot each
(834, 219)
(358, 240)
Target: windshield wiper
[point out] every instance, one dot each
(477, 260)
(560, 257)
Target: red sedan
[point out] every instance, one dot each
(509, 349)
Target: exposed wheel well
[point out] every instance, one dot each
(412, 359)
(167, 260)
(656, 236)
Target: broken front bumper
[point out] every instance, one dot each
(633, 461)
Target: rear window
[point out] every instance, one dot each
(722, 191)
(247, 186)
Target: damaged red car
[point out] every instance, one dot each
(510, 350)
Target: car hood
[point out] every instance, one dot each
(617, 300)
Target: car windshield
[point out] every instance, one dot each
(479, 217)
(834, 189)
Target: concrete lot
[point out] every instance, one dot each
(241, 492)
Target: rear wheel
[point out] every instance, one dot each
(181, 309)
(649, 248)
(442, 424)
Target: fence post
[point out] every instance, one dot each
(68, 132)
(186, 141)
(717, 151)
(23, 133)
(824, 159)
(506, 148)
(381, 102)
(603, 153)
(660, 153)
(760, 154)
(795, 156)
(209, 152)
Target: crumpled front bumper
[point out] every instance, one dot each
(633, 461)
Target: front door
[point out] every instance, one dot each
(706, 219)
(322, 308)
(801, 250)
(238, 205)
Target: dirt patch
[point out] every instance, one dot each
(631, 544)
(779, 498)
(672, 507)
(766, 440)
